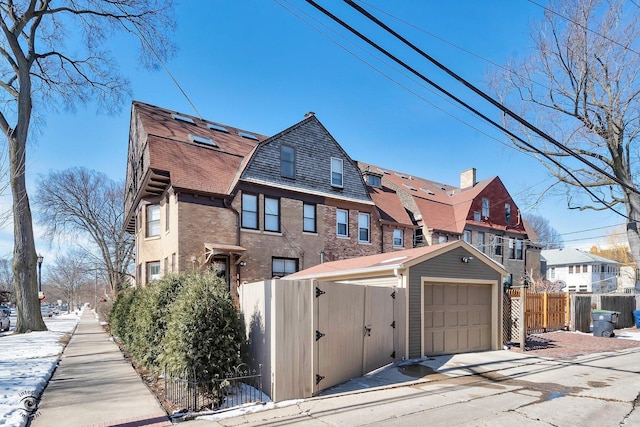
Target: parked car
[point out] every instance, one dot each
(5, 322)
(46, 311)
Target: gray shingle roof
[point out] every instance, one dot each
(572, 256)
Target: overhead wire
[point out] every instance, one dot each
(389, 77)
(463, 103)
(479, 92)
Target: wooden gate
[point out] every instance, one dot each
(543, 312)
(354, 331)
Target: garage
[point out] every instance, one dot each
(456, 317)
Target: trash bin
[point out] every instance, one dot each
(636, 316)
(603, 322)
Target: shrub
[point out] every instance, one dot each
(151, 316)
(205, 331)
(120, 321)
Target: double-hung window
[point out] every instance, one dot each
(498, 245)
(485, 207)
(249, 211)
(519, 253)
(309, 218)
(153, 220)
(337, 172)
(282, 266)
(467, 236)
(480, 244)
(342, 223)
(363, 227)
(507, 213)
(271, 214)
(287, 161)
(512, 249)
(398, 238)
(153, 271)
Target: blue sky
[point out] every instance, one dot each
(254, 65)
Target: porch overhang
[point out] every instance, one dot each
(211, 249)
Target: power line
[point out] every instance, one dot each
(467, 106)
(482, 94)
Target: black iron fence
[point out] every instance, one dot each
(239, 387)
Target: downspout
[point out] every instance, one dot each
(227, 204)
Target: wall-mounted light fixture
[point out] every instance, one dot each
(466, 259)
(242, 263)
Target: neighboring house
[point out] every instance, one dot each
(628, 282)
(482, 214)
(581, 271)
(203, 195)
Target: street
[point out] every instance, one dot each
(494, 388)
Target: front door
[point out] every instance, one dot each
(220, 265)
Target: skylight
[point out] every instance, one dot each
(410, 187)
(218, 128)
(202, 140)
(400, 175)
(182, 118)
(428, 191)
(248, 135)
(386, 172)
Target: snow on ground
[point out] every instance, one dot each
(27, 361)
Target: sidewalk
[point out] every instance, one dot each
(95, 386)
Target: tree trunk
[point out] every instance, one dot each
(25, 277)
(25, 260)
(633, 230)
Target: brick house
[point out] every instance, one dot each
(482, 213)
(203, 195)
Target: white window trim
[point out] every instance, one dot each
(368, 227)
(401, 238)
(338, 223)
(341, 171)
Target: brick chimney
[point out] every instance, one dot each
(468, 178)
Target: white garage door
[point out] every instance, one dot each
(457, 318)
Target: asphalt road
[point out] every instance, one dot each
(482, 389)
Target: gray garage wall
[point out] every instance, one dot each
(446, 266)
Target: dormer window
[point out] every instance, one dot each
(287, 161)
(337, 172)
(202, 140)
(374, 181)
(182, 118)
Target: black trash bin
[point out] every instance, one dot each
(604, 322)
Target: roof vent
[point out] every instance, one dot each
(309, 114)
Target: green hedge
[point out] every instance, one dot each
(205, 331)
(178, 322)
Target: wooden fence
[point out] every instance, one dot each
(543, 312)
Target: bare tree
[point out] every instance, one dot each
(88, 202)
(548, 237)
(581, 86)
(39, 70)
(68, 276)
(6, 281)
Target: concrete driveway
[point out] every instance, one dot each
(499, 388)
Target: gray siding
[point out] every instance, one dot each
(447, 265)
(314, 147)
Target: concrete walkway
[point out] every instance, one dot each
(95, 386)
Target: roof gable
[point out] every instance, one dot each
(314, 147)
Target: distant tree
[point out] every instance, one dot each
(68, 276)
(548, 237)
(6, 281)
(580, 86)
(52, 53)
(88, 202)
(616, 248)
